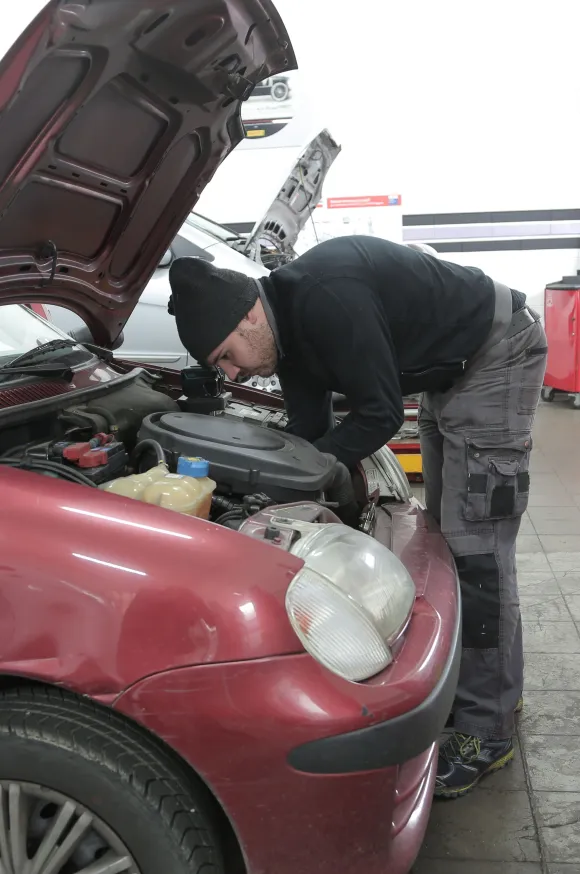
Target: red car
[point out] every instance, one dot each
(261, 691)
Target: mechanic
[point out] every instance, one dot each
(377, 321)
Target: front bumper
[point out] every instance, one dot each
(387, 743)
(352, 801)
(315, 773)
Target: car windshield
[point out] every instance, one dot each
(22, 330)
(220, 232)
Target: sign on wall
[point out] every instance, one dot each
(375, 215)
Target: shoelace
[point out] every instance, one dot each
(462, 746)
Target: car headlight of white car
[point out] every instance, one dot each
(350, 601)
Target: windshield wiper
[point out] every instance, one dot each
(40, 351)
(22, 364)
(55, 371)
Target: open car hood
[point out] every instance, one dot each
(273, 238)
(114, 115)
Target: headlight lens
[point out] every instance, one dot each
(350, 601)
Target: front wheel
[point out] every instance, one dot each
(82, 791)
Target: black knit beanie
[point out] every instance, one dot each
(208, 303)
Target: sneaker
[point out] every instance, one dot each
(464, 760)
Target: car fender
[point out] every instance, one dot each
(98, 591)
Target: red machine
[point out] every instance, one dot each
(561, 311)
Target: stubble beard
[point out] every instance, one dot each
(261, 341)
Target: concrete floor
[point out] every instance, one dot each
(526, 818)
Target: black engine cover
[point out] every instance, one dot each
(244, 458)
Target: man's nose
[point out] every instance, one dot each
(231, 371)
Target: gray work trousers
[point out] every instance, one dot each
(475, 445)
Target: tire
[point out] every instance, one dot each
(280, 91)
(54, 743)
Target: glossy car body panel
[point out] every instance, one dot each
(168, 77)
(115, 589)
(178, 623)
(181, 624)
(374, 820)
(150, 334)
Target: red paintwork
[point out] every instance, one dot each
(98, 375)
(561, 317)
(178, 623)
(411, 447)
(25, 394)
(39, 309)
(115, 589)
(236, 724)
(181, 625)
(115, 117)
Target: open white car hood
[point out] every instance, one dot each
(273, 238)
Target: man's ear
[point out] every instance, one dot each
(253, 316)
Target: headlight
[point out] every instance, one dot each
(350, 601)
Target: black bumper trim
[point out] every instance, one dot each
(387, 743)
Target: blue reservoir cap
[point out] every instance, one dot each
(196, 467)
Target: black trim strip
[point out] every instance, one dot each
(477, 483)
(470, 245)
(473, 218)
(524, 482)
(480, 582)
(506, 245)
(241, 227)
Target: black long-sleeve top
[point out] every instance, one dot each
(356, 314)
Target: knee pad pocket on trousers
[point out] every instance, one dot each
(479, 577)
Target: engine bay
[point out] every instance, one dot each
(254, 462)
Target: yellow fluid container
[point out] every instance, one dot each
(188, 491)
(186, 494)
(133, 486)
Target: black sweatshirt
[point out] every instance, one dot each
(354, 315)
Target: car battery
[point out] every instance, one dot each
(100, 459)
(561, 313)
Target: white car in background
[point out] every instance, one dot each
(150, 334)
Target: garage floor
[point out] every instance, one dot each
(526, 819)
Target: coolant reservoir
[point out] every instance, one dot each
(134, 486)
(188, 491)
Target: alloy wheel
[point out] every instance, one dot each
(45, 832)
